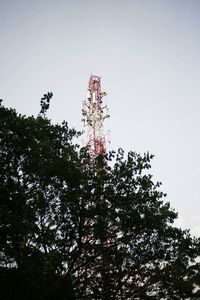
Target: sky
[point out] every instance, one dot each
(147, 54)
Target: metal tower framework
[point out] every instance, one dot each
(94, 113)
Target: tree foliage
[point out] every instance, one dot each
(45, 103)
(73, 228)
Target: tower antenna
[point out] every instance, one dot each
(94, 113)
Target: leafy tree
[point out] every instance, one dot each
(76, 228)
(35, 159)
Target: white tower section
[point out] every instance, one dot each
(94, 113)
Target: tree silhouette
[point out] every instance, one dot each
(45, 103)
(74, 229)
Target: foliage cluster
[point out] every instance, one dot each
(72, 228)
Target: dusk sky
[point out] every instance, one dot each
(147, 53)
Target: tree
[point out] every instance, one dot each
(35, 159)
(76, 228)
(139, 254)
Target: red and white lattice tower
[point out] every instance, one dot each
(94, 113)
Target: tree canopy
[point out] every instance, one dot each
(76, 228)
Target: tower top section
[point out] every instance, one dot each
(94, 113)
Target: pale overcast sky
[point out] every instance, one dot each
(148, 55)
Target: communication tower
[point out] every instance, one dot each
(94, 113)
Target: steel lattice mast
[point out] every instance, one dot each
(94, 113)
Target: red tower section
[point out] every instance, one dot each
(94, 113)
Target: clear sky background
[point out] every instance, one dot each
(148, 55)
